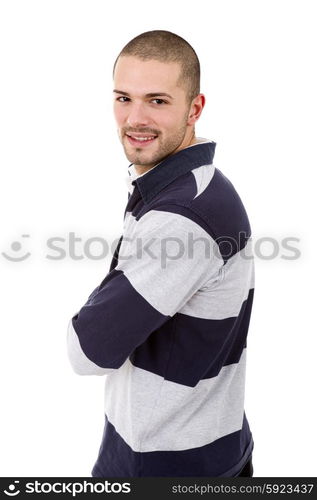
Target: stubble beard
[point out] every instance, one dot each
(139, 156)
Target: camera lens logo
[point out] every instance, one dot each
(13, 492)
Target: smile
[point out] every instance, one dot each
(141, 141)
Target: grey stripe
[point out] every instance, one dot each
(167, 284)
(223, 298)
(78, 359)
(151, 413)
(203, 176)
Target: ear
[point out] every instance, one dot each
(196, 108)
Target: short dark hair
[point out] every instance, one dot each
(165, 46)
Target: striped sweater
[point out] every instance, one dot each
(168, 325)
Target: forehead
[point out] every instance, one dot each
(135, 75)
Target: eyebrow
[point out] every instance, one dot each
(151, 94)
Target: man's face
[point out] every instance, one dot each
(143, 112)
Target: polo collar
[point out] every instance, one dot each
(153, 181)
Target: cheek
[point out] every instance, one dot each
(174, 116)
(165, 121)
(119, 114)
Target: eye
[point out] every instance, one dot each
(126, 99)
(161, 101)
(122, 97)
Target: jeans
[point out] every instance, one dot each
(247, 470)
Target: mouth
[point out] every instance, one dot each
(141, 141)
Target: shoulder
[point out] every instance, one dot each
(203, 201)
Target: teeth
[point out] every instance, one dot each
(142, 138)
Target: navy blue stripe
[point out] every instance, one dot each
(135, 203)
(225, 457)
(222, 208)
(181, 192)
(197, 348)
(108, 327)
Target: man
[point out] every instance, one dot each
(169, 322)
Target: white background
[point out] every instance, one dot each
(63, 170)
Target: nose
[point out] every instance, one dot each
(137, 116)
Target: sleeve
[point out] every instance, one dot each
(164, 259)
